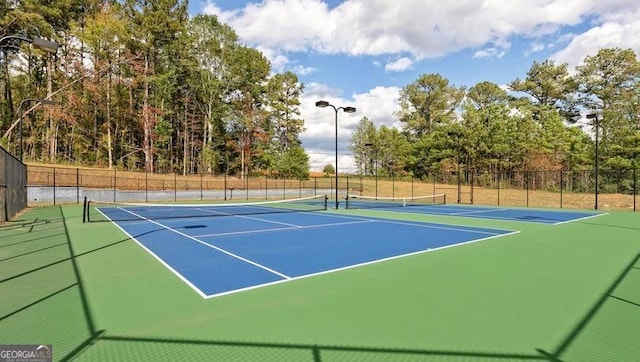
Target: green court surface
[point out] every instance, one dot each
(566, 292)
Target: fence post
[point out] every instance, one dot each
(561, 187)
(393, 185)
(471, 186)
(498, 185)
(635, 190)
(54, 185)
(526, 182)
(114, 184)
(146, 186)
(77, 185)
(331, 189)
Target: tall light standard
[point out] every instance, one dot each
(594, 116)
(40, 101)
(39, 43)
(323, 104)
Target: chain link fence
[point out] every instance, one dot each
(617, 189)
(13, 186)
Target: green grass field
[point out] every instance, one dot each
(566, 292)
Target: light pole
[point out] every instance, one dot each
(42, 44)
(323, 104)
(40, 101)
(375, 165)
(594, 116)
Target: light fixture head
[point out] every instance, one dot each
(349, 109)
(44, 44)
(322, 104)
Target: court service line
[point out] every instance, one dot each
(422, 224)
(578, 219)
(211, 246)
(281, 229)
(476, 212)
(250, 218)
(448, 228)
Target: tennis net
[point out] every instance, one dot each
(109, 211)
(371, 202)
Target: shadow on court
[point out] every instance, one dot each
(42, 285)
(610, 296)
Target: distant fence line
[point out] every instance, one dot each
(13, 181)
(617, 189)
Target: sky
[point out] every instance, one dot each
(361, 53)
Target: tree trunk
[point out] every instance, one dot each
(147, 147)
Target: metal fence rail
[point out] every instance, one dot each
(13, 186)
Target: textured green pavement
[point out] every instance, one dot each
(564, 292)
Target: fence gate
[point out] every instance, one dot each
(464, 179)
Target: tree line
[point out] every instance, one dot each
(533, 124)
(139, 85)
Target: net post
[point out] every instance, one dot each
(84, 210)
(444, 199)
(326, 201)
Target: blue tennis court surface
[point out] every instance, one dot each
(496, 213)
(226, 254)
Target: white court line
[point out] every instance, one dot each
(355, 266)
(582, 218)
(421, 224)
(477, 211)
(213, 246)
(358, 220)
(250, 218)
(281, 229)
(166, 265)
(452, 228)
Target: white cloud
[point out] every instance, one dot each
(534, 48)
(399, 65)
(491, 52)
(617, 29)
(289, 25)
(278, 62)
(302, 70)
(424, 28)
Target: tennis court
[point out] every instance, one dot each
(169, 283)
(248, 247)
(436, 205)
